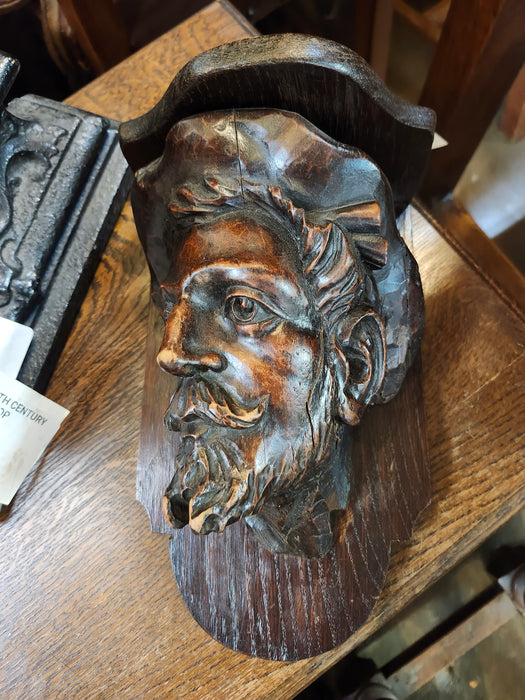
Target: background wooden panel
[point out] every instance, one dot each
(89, 605)
(480, 52)
(99, 30)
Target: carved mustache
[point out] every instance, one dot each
(195, 398)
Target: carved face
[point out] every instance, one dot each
(290, 303)
(246, 339)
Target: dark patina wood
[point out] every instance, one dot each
(63, 182)
(326, 83)
(243, 206)
(80, 567)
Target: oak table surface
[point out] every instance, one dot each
(89, 605)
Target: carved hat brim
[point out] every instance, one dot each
(325, 82)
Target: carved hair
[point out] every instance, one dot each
(331, 264)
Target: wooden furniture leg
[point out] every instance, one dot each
(513, 119)
(372, 41)
(481, 50)
(99, 30)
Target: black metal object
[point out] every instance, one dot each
(63, 182)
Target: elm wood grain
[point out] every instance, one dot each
(481, 50)
(89, 608)
(288, 607)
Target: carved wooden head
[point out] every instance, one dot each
(290, 302)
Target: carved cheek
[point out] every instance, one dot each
(302, 360)
(283, 364)
(294, 371)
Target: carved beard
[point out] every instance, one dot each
(213, 485)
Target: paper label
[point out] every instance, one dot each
(438, 142)
(28, 421)
(14, 343)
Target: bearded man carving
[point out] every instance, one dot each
(278, 319)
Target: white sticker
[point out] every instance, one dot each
(438, 142)
(14, 343)
(28, 421)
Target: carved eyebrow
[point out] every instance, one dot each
(277, 290)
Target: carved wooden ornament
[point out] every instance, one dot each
(63, 182)
(267, 183)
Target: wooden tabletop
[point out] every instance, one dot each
(89, 605)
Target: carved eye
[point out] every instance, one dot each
(245, 310)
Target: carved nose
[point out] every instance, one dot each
(183, 364)
(182, 351)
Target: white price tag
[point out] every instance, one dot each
(438, 142)
(14, 342)
(28, 421)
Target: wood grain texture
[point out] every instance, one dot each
(284, 607)
(89, 607)
(474, 245)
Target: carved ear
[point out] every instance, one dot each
(360, 358)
